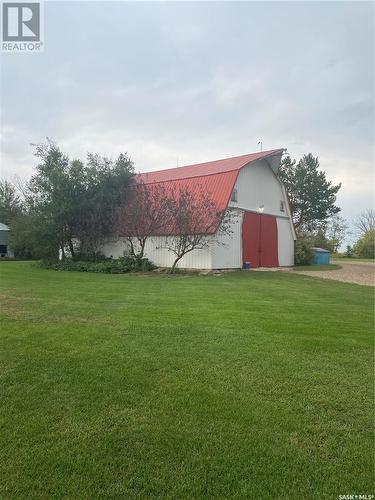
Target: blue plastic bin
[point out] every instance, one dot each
(321, 257)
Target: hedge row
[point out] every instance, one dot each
(108, 266)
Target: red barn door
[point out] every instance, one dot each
(259, 240)
(250, 238)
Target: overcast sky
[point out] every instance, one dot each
(192, 82)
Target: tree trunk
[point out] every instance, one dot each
(71, 248)
(175, 263)
(142, 245)
(132, 252)
(62, 252)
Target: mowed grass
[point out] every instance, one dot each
(244, 385)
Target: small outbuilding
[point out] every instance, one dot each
(321, 256)
(4, 241)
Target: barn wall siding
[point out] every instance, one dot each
(227, 252)
(225, 255)
(257, 185)
(285, 243)
(197, 259)
(160, 256)
(115, 248)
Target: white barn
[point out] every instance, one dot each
(263, 233)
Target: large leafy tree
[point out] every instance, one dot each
(76, 201)
(33, 236)
(336, 231)
(50, 200)
(311, 196)
(365, 226)
(10, 202)
(104, 185)
(365, 246)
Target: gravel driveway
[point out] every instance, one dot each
(361, 273)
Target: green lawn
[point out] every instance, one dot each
(245, 385)
(351, 259)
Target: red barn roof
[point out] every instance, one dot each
(208, 168)
(217, 177)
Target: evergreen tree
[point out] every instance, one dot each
(311, 196)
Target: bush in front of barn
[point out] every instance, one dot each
(303, 253)
(100, 265)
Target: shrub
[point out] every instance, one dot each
(103, 265)
(365, 246)
(97, 257)
(137, 263)
(303, 253)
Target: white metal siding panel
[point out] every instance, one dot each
(228, 253)
(285, 243)
(160, 256)
(257, 185)
(115, 248)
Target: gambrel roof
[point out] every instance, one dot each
(218, 177)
